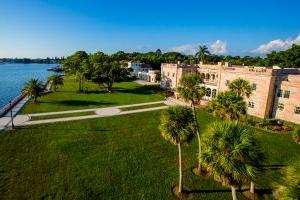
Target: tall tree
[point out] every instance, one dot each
(78, 64)
(56, 80)
(228, 105)
(177, 127)
(189, 89)
(202, 52)
(230, 152)
(33, 88)
(241, 87)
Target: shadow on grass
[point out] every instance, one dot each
(257, 191)
(147, 89)
(273, 167)
(82, 103)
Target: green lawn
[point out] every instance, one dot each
(67, 97)
(120, 157)
(35, 118)
(143, 107)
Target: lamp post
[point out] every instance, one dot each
(11, 116)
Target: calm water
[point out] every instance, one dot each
(13, 77)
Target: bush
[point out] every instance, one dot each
(296, 136)
(251, 121)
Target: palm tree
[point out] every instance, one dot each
(56, 80)
(230, 153)
(290, 188)
(177, 127)
(228, 105)
(202, 52)
(241, 87)
(190, 91)
(34, 88)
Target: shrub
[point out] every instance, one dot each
(296, 136)
(251, 121)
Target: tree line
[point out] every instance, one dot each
(47, 60)
(99, 67)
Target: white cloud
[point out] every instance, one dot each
(218, 47)
(276, 45)
(186, 49)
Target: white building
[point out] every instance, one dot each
(149, 76)
(138, 67)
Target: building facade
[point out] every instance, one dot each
(276, 91)
(143, 71)
(138, 67)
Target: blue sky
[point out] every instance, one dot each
(40, 28)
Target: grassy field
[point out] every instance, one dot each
(121, 157)
(35, 118)
(67, 97)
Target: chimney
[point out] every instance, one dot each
(178, 62)
(201, 63)
(219, 63)
(228, 64)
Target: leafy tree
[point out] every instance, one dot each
(228, 105)
(241, 87)
(230, 153)
(78, 64)
(33, 88)
(158, 52)
(108, 73)
(189, 89)
(202, 52)
(177, 127)
(56, 80)
(158, 77)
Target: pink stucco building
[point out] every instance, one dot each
(276, 91)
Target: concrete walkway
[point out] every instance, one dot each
(6, 121)
(24, 120)
(141, 82)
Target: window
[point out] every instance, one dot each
(173, 74)
(207, 76)
(168, 74)
(297, 110)
(227, 82)
(213, 77)
(208, 92)
(254, 86)
(287, 94)
(280, 106)
(279, 93)
(251, 104)
(214, 93)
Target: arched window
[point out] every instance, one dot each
(214, 93)
(207, 76)
(213, 77)
(202, 76)
(208, 92)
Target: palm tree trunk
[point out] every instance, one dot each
(198, 137)
(233, 192)
(252, 187)
(180, 168)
